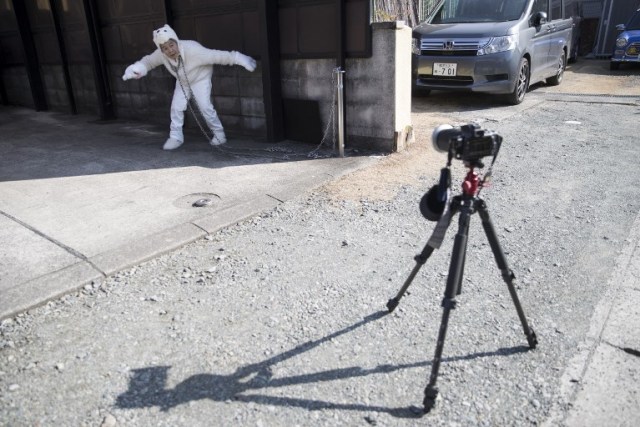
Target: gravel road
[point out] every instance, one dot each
(281, 319)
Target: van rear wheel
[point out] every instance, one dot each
(522, 84)
(557, 79)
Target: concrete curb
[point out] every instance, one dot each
(48, 287)
(601, 385)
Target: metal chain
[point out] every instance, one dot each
(197, 112)
(332, 120)
(191, 99)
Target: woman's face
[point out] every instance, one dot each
(170, 49)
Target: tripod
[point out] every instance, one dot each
(466, 204)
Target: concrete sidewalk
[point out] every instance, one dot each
(601, 384)
(604, 379)
(80, 200)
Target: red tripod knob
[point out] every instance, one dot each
(471, 183)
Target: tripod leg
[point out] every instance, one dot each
(507, 274)
(421, 259)
(454, 279)
(434, 242)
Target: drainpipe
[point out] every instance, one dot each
(340, 64)
(340, 89)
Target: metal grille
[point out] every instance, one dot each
(633, 49)
(450, 52)
(444, 47)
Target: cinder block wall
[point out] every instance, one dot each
(377, 90)
(84, 88)
(314, 80)
(236, 96)
(16, 84)
(54, 87)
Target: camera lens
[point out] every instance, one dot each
(441, 137)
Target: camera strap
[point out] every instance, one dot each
(444, 184)
(486, 178)
(435, 241)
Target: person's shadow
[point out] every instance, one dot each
(147, 387)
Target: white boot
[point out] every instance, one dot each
(172, 144)
(219, 138)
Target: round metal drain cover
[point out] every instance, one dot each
(197, 200)
(201, 203)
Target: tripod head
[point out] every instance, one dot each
(470, 144)
(471, 184)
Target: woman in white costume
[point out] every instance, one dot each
(192, 66)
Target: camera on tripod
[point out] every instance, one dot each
(468, 143)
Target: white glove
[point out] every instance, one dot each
(245, 61)
(135, 71)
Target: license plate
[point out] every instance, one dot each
(444, 69)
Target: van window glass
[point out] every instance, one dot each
(556, 9)
(456, 11)
(540, 6)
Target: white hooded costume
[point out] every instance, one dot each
(192, 69)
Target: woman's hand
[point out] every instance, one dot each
(245, 61)
(135, 71)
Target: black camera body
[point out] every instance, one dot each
(468, 143)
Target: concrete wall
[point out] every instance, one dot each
(377, 90)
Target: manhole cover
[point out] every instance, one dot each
(197, 200)
(201, 203)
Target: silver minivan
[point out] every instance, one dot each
(493, 46)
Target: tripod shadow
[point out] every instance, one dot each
(147, 386)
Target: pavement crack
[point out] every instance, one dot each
(275, 198)
(61, 245)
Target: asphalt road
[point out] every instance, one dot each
(281, 319)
